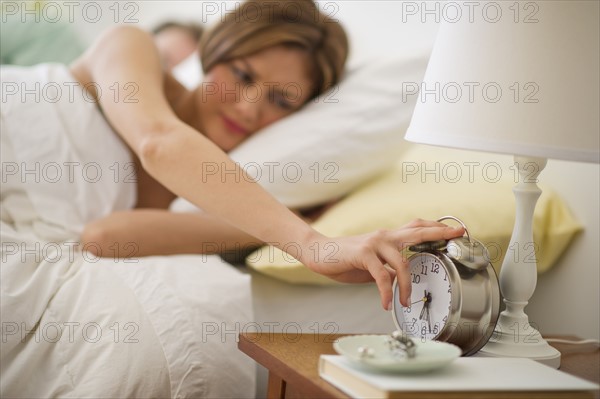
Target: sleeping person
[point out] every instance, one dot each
(115, 113)
(176, 41)
(30, 39)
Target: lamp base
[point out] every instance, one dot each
(532, 346)
(513, 335)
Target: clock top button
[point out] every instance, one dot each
(468, 252)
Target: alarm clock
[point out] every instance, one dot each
(455, 293)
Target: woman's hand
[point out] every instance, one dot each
(375, 256)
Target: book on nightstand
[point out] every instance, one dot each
(465, 374)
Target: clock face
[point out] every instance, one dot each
(431, 298)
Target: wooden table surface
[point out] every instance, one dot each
(292, 361)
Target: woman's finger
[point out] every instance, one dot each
(399, 263)
(418, 235)
(382, 279)
(423, 223)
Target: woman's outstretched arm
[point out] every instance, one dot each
(179, 158)
(147, 232)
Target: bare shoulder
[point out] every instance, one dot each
(110, 43)
(117, 39)
(128, 57)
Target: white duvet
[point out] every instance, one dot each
(74, 325)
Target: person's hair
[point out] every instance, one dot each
(194, 30)
(257, 25)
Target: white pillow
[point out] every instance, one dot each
(338, 141)
(189, 71)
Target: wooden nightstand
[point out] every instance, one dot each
(292, 363)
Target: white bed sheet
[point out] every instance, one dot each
(197, 305)
(77, 326)
(158, 327)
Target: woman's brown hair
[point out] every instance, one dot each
(257, 25)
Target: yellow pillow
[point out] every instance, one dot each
(429, 183)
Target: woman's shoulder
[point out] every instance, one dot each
(123, 33)
(113, 45)
(113, 41)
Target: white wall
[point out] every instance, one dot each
(567, 298)
(375, 27)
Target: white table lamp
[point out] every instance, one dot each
(521, 78)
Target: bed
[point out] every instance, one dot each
(167, 326)
(77, 325)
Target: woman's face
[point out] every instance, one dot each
(242, 96)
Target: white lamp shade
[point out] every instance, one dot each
(514, 77)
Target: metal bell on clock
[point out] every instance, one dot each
(465, 250)
(468, 252)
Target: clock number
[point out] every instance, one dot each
(416, 278)
(424, 270)
(409, 326)
(411, 329)
(435, 268)
(436, 328)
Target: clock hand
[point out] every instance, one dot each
(428, 302)
(420, 300)
(425, 305)
(428, 320)
(423, 311)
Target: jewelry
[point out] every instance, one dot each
(401, 345)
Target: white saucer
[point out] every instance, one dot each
(430, 355)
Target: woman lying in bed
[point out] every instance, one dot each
(172, 133)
